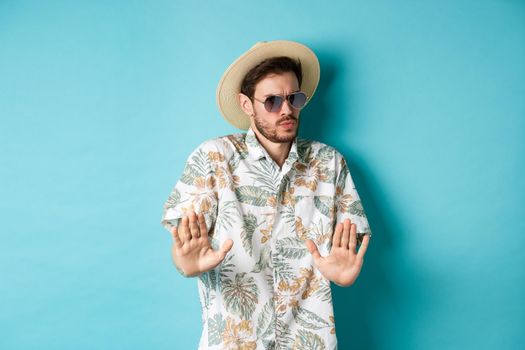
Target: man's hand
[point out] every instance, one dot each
(191, 251)
(343, 265)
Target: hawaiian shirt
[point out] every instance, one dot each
(266, 293)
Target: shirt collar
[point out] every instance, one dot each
(257, 151)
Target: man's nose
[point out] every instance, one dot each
(286, 108)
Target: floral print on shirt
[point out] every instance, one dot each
(266, 293)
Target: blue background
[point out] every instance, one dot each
(102, 101)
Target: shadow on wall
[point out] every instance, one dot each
(321, 120)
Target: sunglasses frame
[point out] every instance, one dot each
(287, 97)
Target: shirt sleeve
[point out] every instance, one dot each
(195, 190)
(347, 201)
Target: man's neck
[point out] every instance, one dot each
(278, 151)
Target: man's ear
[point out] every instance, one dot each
(246, 104)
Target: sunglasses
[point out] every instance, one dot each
(273, 103)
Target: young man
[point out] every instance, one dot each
(266, 219)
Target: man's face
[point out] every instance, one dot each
(281, 126)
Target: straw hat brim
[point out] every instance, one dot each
(230, 84)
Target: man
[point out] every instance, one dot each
(265, 219)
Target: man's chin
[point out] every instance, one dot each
(286, 136)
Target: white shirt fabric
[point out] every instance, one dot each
(266, 293)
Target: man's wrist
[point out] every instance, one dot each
(188, 275)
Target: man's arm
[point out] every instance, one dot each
(343, 264)
(347, 200)
(194, 193)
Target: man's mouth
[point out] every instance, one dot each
(288, 123)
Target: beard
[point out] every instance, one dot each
(271, 131)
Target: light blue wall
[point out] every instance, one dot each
(102, 101)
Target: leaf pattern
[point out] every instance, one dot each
(208, 279)
(252, 195)
(308, 340)
(266, 293)
(324, 293)
(325, 154)
(248, 228)
(308, 319)
(292, 248)
(240, 295)
(173, 198)
(283, 334)
(356, 208)
(264, 261)
(284, 270)
(227, 215)
(197, 167)
(226, 267)
(216, 326)
(324, 204)
(266, 320)
(265, 174)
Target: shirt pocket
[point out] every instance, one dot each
(314, 219)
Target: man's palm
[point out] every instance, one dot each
(343, 264)
(191, 251)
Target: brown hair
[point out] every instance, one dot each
(272, 65)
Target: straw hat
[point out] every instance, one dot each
(230, 84)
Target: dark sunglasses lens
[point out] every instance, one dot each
(298, 99)
(273, 103)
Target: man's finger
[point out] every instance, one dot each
(336, 240)
(185, 230)
(353, 237)
(194, 229)
(176, 238)
(202, 226)
(363, 246)
(346, 234)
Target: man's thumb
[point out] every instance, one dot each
(226, 247)
(312, 248)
